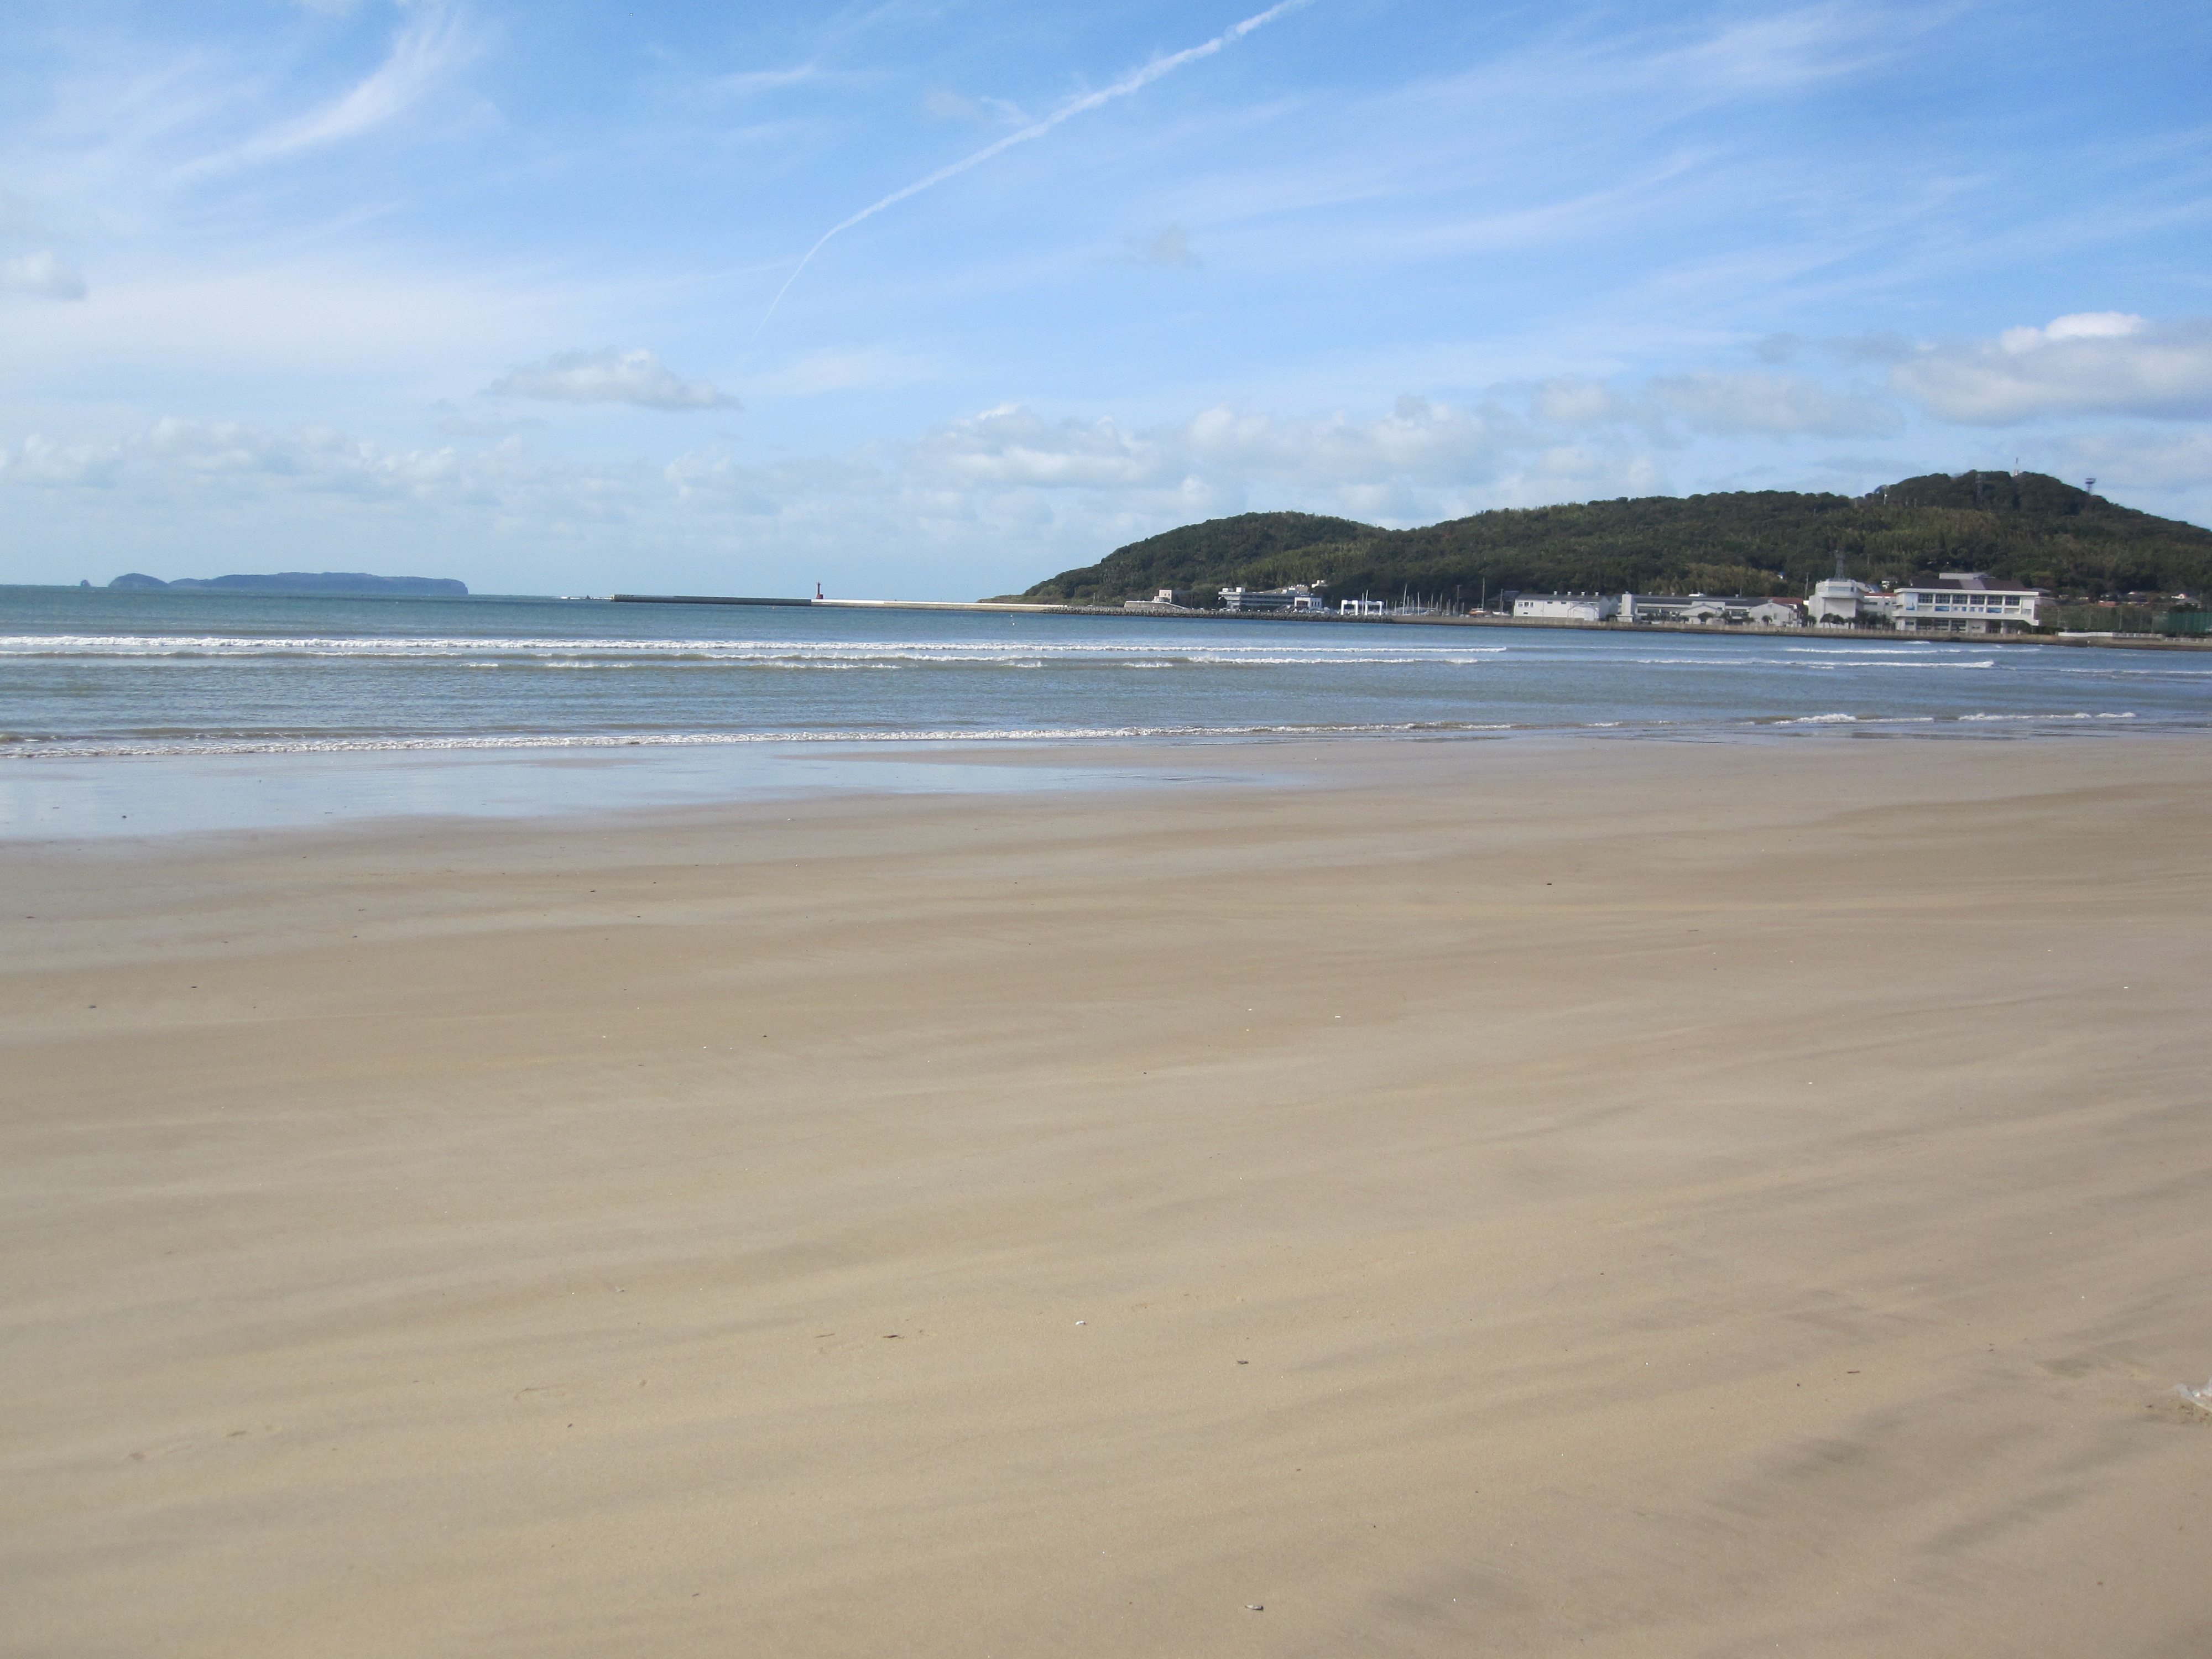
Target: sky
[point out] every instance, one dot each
(932, 301)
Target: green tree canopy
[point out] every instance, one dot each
(2027, 528)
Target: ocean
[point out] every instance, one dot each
(288, 685)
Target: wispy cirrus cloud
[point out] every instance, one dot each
(751, 83)
(1791, 49)
(425, 50)
(1135, 81)
(608, 376)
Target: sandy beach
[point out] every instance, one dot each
(1634, 1198)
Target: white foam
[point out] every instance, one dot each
(1738, 663)
(30, 749)
(2078, 714)
(437, 647)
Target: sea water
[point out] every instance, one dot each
(284, 685)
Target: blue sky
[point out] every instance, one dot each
(459, 287)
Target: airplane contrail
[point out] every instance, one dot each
(1090, 100)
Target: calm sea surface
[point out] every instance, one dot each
(98, 675)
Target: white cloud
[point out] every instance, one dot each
(39, 460)
(2157, 459)
(1421, 461)
(1011, 445)
(502, 517)
(1005, 494)
(2091, 362)
(1577, 402)
(43, 275)
(179, 466)
(1767, 405)
(2081, 325)
(1072, 488)
(1417, 442)
(610, 377)
(1773, 405)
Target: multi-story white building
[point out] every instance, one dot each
(1841, 602)
(1297, 597)
(1966, 601)
(1567, 607)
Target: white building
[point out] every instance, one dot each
(1166, 598)
(1297, 597)
(1966, 601)
(1774, 613)
(1839, 602)
(1567, 607)
(1710, 610)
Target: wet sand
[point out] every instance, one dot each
(1626, 1198)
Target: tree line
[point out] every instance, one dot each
(2025, 527)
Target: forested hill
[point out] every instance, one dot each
(2032, 528)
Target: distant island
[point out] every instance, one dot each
(302, 581)
(2025, 527)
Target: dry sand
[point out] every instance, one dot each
(1628, 1199)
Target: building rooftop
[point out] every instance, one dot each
(1968, 581)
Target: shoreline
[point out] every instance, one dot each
(1173, 613)
(92, 796)
(2091, 640)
